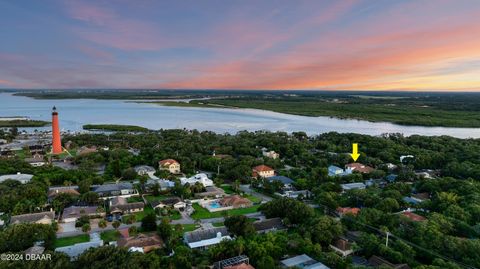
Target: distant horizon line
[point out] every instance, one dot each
(240, 90)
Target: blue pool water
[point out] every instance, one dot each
(215, 205)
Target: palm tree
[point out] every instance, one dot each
(102, 224)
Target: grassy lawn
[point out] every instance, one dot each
(134, 199)
(227, 188)
(218, 224)
(254, 199)
(72, 240)
(175, 215)
(190, 227)
(151, 198)
(109, 236)
(140, 215)
(202, 213)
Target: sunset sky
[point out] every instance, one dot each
(241, 44)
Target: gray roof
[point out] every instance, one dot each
(19, 176)
(128, 206)
(114, 187)
(144, 168)
(200, 235)
(283, 179)
(356, 185)
(269, 224)
(78, 211)
(29, 218)
(303, 261)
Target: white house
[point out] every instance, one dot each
(144, 170)
(23, 178)
(337, 171)
(202, 178)
(270, 154)
(205, 238)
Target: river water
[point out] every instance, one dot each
(74, 113)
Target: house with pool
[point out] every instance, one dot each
(226, 203)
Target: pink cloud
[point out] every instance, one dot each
(105, 27)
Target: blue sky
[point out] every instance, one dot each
(337, 45)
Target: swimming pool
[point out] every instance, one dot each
(215, 204)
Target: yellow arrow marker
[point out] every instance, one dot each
(354, 153)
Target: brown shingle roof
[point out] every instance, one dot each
(413, 217)
(262, 168)
(235, 201)
(147, 242)
(34, 217)
(56, 192)
(167, 162)
(360, 167)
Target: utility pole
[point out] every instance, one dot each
(386, 242)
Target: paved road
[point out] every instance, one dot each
(257, 215)
(96, 230)
(246, 188)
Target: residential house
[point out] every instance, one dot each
(36, 160)
(46, 217)
(416, 198)
(162, 183)
(172, 202)
(170, 165)
(55, 191)
(391, 178)
(303, 194)
(211, 191)
(263, 171)
(406, 157)
(342, 247)
(412, 216)
(86, 150)
(391, 166)
(270, 154)
(302, 261)
(142, 242)
(202, 239)
(376, 261)
(119, 205)
(358, 167)
(353, 186)
(235, 201)
(287, 182)
(376, 182)
(116, 189)
(337, 171)
(269, 225)
(73, 213)
(144, 170)
(426, 173)
(341, 211)
(237, 262)
(22, 178)
(76, 250)
(201, 178)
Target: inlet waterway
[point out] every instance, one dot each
(74, 113)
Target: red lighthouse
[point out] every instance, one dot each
(56, 142)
